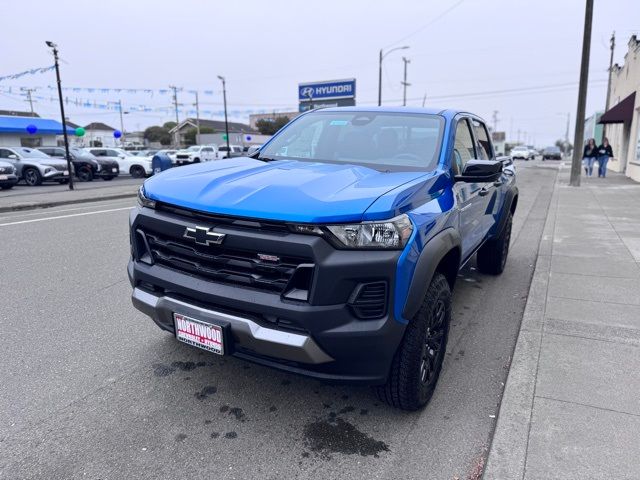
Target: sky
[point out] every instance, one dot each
(520, 58)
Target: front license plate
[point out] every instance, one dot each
(114, 170)
(66, 172)
(199, 334)
(4, 177)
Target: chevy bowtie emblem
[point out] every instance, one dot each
(204, 236)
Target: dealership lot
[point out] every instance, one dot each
(92, 388)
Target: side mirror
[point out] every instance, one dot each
(479, 171)
(13, 157)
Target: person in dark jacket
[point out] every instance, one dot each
(589, 156)
(605, 152)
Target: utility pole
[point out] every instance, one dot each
(576, 164)
(424, 99)
(121, 121)
(175, 106)
(518, 135)
(226, 123)
(197, 119)
(28, 93)
(495, 120)
(404, 82)
(566, 135)
(54, 47)
(606, 105)
(382, 55)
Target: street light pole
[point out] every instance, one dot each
(382, 55)
(404, 83)
(226, 122)
(576, 163)
(54, 47)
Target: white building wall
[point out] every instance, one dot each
(14, 139)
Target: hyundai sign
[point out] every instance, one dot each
(331, 93)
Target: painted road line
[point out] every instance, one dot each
(64, 216)
(50, 210)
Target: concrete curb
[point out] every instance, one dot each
(508, 451)
(56, 203)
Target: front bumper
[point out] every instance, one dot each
(110, 171)
(8, 179)
(55, 175)
(321, 337)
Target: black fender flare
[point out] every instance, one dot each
(510, 196)
(431, 255)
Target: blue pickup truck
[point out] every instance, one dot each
(331, 252)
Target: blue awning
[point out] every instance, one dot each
(44, 126)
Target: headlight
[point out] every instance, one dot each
(390, 234)
(143, 201)
(47, 170)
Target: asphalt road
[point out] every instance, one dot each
(21, 189)
(92, 389)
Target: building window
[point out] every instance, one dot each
(31, 142)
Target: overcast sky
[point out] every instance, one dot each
(459, 51)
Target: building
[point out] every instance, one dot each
(593, 128)
(98, 134)
(29, 131)
(499, 142)
(622, 118)
(254, 118)
(239, 133)
(15, 113)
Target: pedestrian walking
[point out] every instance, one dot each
(605, 152)
(589, 156)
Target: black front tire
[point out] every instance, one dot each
(418, 361)
(32, 177)
(106, 179)
(137, 171)
(85, 174)
(492, 256)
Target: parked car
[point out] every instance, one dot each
(522, 151)
(145, 153)
(169, 152)
(236, 151)
(333, 252)
(197, 154)
(86, 166)
(137, 167)
(35, 167)
(8, 177)
(551, 153)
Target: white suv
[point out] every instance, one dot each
(196, 154)
(137, 167)
(522, 151)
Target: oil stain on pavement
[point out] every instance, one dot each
(325, 437)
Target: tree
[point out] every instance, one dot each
(269, 126)
(190, 136)
(169, 125)
(566, 147)
(158, 134)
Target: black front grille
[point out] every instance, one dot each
(223, 264)
(369, 300)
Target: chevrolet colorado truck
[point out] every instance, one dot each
(334, 250)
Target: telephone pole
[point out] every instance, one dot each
(576, 164)
(566, 135)
(404, 82)
(606, 105)
(495, 120)
(197, 119)
(175, 106)
(121, 122)
(28, 92)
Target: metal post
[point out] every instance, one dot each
(121, 122)
(197, 120)
(175, 106)
(226, 123)
(30, 100)
(606, 105)
(404, 83)
(576, 164)
(64, 122)
(380, 79)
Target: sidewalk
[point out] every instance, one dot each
(25, 198)
(571, 406)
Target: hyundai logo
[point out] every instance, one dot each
(307, 92)
(204, 236)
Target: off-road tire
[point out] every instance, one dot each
(411, 381)
(32, 177)
(492, 256)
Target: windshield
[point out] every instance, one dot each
(375, 139)
(193, 149)
(31, 153)
(520, 148)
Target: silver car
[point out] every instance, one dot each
(8, 177)
(35, 167)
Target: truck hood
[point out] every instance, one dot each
(285, 190)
